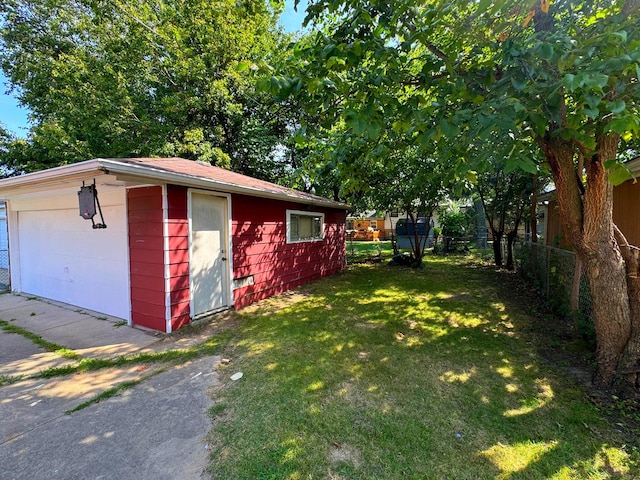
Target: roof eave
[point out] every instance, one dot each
(126, 171)
(147, 174)
(634, 165)
(51, 175)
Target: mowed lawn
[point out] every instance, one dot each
(389, 373)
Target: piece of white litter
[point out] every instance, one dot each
(196, 375)
(236, 376)
(35, 403)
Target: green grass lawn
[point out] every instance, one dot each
(390, 373)
(358, 252)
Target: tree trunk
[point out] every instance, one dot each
(511, 240)
(416, 240)
(417, 251)
(586, 214)
(533, 212)
(611, 314)
(497, 247)
(629, 366)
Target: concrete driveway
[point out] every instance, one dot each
(154, 430)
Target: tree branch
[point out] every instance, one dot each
(629, 7)
(437, 52)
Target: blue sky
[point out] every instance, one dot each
(14, 118)
(290, 19)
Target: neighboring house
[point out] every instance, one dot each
(392, 217)
(182, 239)
(367, 227)
(626, 198)
(390, 220)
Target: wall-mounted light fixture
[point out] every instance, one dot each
(88, 200)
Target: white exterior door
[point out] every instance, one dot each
(208, 253)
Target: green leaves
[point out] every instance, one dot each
(595, 80)
(524, 164)
(620, 35)
(570, 82)
(463, 83)
(624, 124)
(448, 129)
(618, 172)
(519, 83)
(360, 125)
(110, 79)
(245, 65)
(616, 107)
(546, 51)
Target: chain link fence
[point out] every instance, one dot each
(552, 271)
(4, 269)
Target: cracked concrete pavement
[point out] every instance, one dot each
(156, 429)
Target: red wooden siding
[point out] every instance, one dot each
(178, 232)
(146, 257)
(260, 248)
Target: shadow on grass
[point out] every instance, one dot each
(392, 373)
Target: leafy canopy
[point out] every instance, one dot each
(445, 78)
(116, 79)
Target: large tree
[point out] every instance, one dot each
(414, 185)
(110, 78)
(563, 75)
(505, 197)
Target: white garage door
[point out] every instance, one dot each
(64, 259)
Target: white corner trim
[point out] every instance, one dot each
(167, 258)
